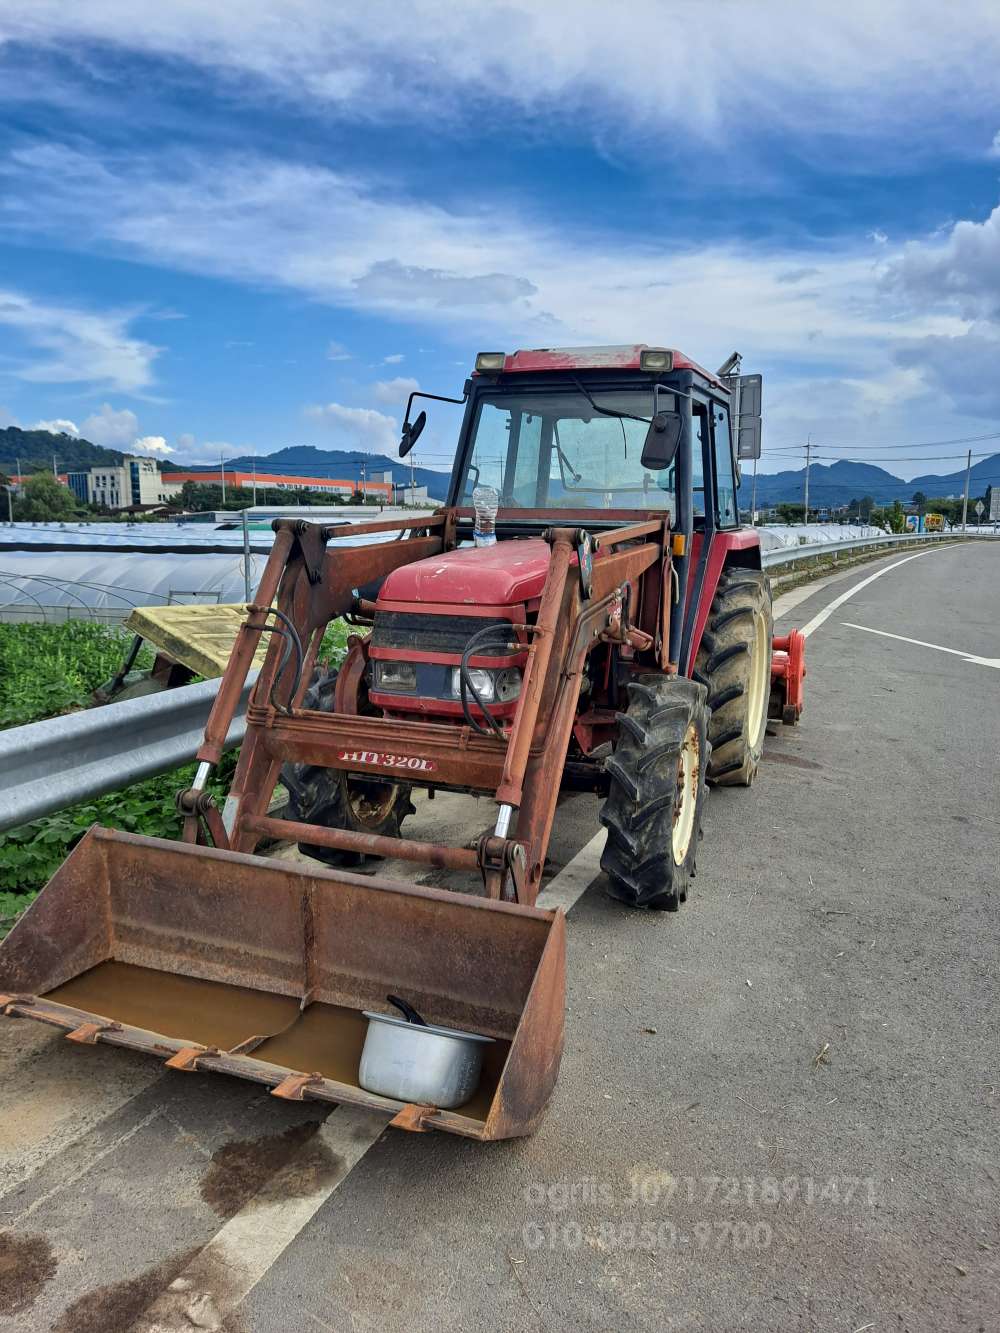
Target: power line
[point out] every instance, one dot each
(925, 444)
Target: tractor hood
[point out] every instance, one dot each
(502, 575)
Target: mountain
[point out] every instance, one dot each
(841, 482)
(305, 460)
(34, 449)
(984, 473)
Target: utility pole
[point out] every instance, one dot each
(55, 469)
(805, 505)
(255, 479)
(246, 556)
(965, 497)
(223, 462)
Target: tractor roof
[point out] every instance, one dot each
(625, 357)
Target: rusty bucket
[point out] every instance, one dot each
(216, 960)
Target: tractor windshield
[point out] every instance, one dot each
(548, 448)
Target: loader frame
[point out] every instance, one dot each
(314, 584)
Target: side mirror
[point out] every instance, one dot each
(662, 440)
(411, 433)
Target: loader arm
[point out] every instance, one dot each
(521, 768)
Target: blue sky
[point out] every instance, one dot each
(233, 228)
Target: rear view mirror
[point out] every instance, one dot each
(662, 440)
(411, 433)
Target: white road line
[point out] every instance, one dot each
(222, 1274)
(957, 652)
(575, 877)
(821, 616)
(85, 1167)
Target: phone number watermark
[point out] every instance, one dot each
(659, 1189)
(703, 1235)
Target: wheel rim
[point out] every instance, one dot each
(686, 800)
(759, 684)
(370, 802)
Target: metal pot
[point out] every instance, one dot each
(413, 1061)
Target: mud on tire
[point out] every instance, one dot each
(656, 793)
(734, 665)
(329, 797)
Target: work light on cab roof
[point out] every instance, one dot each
(633, 356)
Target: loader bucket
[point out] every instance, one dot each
(216, 960)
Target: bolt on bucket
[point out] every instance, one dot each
(216, 960)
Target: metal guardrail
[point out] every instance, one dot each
(787, 555)
(49, 765)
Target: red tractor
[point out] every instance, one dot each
(585, 612)
(657, 675)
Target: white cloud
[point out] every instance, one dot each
(73, 345)
(230, 218)
(152, 444)
(994, 148)
(60, 426)
(830, 314)
(394, 390)
(878, 236)
(963, 369)
(364, 426)
(960, 271)
(876, 71)
(111, 429)
(394, 359)
(390, 283)
(337, 352)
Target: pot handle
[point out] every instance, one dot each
(407, 1010)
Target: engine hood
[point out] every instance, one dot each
(502, 575)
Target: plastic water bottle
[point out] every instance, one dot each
(487, 501)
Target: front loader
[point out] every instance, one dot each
(585, 613)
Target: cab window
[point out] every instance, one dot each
(725, 480)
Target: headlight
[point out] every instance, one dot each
(492, 686)
(396, 677)
(481, 679)
(508, 685)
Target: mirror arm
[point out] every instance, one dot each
(438, 398)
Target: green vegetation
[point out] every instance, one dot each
(35, 448)
(31, 854)
(198, 497)
(50, 669)
(43, 498)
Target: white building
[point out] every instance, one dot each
(137, 481)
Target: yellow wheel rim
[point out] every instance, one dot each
(686, 799)
(759, 684)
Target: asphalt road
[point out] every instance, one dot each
(777, 1109)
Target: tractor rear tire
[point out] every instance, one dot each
(656, 792)
(734, 665)
(328, 796)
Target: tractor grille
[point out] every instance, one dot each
(434, 634)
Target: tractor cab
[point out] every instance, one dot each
(580, 432)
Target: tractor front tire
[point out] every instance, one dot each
(734, 665)
(656, 792)
(332, 798)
